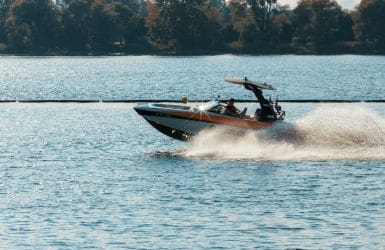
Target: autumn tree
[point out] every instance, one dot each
(157, 23)
(251, 26)
(281, 27)
(130, 25)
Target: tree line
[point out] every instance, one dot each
(189, 26)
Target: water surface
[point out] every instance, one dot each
(98, 176)
(201, 77)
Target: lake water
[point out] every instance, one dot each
(98, 176)
(136, 77)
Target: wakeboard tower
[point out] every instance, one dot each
(182, 121)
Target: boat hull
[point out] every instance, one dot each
(181, 122)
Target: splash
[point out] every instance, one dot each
(349, 131)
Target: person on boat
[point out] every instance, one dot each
(258, 114)
(233, 111)
(184, 100)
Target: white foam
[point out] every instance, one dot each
(348, 131)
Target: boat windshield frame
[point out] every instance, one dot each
(170, 106)
(208, 105)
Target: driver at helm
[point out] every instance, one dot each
(233, 111)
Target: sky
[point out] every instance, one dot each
(346, 4)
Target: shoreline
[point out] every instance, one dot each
(176, 54)
(200, 52)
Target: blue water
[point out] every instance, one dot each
(136, 77)
(98, 176)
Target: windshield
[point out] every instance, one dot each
(208, 105)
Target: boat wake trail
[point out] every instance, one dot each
(326, 133)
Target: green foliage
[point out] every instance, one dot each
(130, 25)
(369, 19)
(75, 25)
(317, 24)
(262, 25)
(282, 27)
(4, 8)
(185, 26)
(96, 25)
(30, 25)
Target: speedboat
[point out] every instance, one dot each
(182, 121)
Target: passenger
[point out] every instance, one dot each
(258, 114)
(233, 111)
(184, 100)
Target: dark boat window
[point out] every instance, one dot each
(218, 109)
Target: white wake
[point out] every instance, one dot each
(326, 133)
